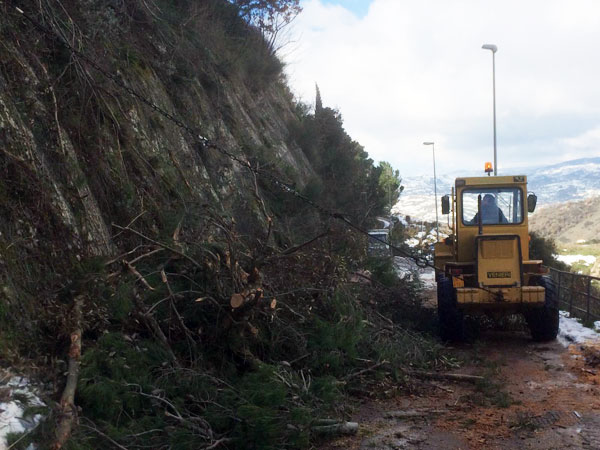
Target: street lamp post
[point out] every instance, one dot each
(437, 228)
(494, 49)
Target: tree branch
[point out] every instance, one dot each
(67, 409)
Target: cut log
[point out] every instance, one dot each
(322, 422)
(236, 301)
(246, 297)
(413, 413)
(446, 376)
(368, 369)
(338, 429)
(67, 410)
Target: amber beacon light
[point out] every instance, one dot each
(488, 168)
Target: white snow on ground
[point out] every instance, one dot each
(571, 259)
(386, 223)
(428, 278)
(433, 237)
(11, 412)
(407, 267)
(571, 331)
(412, 242)
(402, 220)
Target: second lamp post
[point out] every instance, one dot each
(437, 228)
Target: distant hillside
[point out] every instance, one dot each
(559, 183)
(568, 181)
(569, 222)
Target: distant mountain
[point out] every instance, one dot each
(569, 181)
(558, 183)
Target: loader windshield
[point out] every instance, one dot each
(498, 206)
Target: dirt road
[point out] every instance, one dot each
(533, 396)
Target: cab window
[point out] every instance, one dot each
(499, 206)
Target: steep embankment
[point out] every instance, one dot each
(92, 151)
(78, 152)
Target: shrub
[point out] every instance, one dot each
(545, 249)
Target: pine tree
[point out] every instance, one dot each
(318, 102)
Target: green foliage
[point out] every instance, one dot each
(350, 181)
(382, 270)
(390, 184)
(8, 333)
(334, 341)
(129, 385)
(398, 232)
(344, 338)
(113, 371)
(126, 385)
(545, 249)
(17, 441)
(120, 303)
(266, 409)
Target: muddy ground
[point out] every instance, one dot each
(533, 396)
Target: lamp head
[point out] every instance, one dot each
(491, 47)
(428, 143)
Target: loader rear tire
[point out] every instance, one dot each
(451, 320)
(543, 322)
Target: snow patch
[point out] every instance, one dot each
(402, 220)
(412, 242)
(428, 278)
(588, 260)
(12, 420)
(386, 223)
(571, 331)
(407, 267)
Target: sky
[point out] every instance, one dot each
(404, 72)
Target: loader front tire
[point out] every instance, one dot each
(451, 320)
(543, 322)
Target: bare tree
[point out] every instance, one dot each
(271, 17)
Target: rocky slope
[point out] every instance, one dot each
(79, 153)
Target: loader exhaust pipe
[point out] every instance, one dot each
(479, 219)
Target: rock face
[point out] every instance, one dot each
(79, 153)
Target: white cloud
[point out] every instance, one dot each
(411, 71)
(584, 145)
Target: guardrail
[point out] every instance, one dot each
(578, 294)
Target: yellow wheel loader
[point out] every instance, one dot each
(483, 267)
